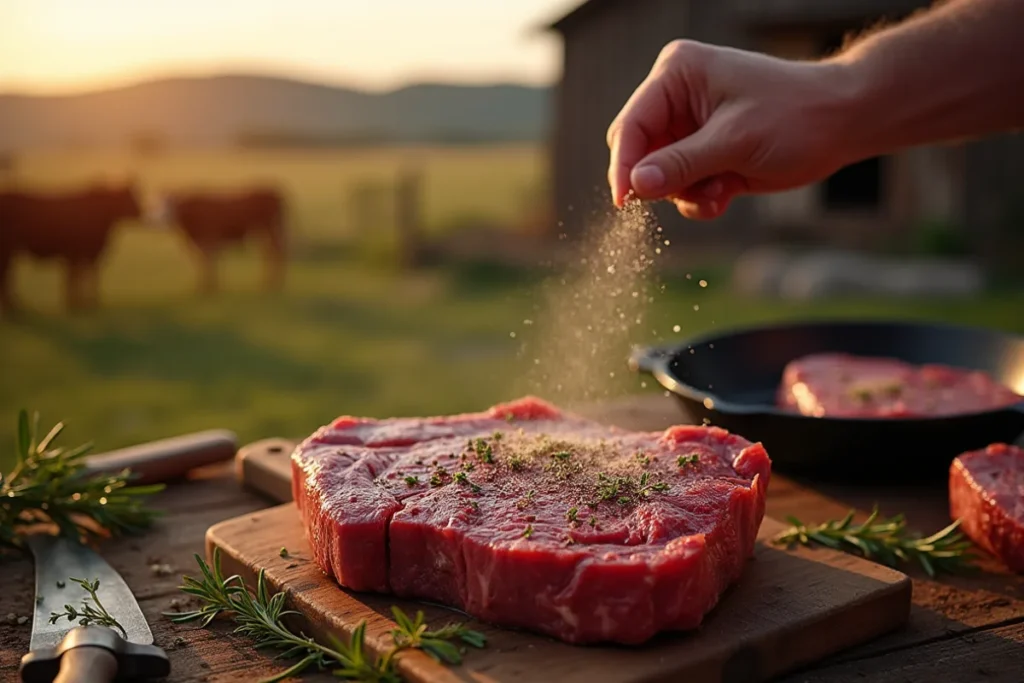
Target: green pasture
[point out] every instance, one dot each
(345, 336)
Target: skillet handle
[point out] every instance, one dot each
(648, 359)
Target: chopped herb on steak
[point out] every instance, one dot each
(606, 493)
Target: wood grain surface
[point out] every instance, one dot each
(963, 629)
(790, 608)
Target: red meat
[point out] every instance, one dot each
(986, 492)
(525, 517)
(840, 385)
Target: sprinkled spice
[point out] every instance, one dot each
(411, 480)
(468, 466)
(463, 480)
(528, 531)
(592, 521)
(517, 463)
(571, 514)
(642, 458)
(484, 451)
(525, 501)
(691, 459)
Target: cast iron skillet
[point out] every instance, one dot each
(730, 379)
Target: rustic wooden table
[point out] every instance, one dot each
(961, 628)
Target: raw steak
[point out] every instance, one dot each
(525, 517)
(840, 385)
(986, 492)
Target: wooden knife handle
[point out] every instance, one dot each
(167, 459)
(94, 654)
(87, 665)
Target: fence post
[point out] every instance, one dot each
(408, 225)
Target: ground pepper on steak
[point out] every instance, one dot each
(550, 523)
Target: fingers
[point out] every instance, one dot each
(643, 122)
(710, 198)
(672, 170)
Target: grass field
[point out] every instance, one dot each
(497, 184)
(344, 337)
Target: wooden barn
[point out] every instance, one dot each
(608, 49)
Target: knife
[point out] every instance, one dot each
(85, 654)
(167, 459)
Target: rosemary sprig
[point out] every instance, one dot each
(887, 541)
(259, 614)
(50, 484)
(92, 610)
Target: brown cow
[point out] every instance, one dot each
(71, 226)
(212, 221)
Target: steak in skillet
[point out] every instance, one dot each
(986, 492)
(525, 517)
(841, 385)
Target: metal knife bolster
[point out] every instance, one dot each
(134, 661)
(85, 654)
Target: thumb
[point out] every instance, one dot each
(674, 168)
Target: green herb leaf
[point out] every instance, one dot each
(259, 614)
(49, 484)
(887, 541)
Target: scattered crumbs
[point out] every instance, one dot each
(283, 552)
(685, 460)
(60, 584)
(161, 569)
(22, 620)
(12, 618)
(676, 328)
(528, 531)
(175, 604)
(179, 642)
(39, 599)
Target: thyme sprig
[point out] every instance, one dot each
(887, 541)
(51, 484)
(259, 615)
(92, 610)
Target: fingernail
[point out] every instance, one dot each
(714, 189)
(648, 179)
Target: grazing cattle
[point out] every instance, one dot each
(71, 226)
(212, 221)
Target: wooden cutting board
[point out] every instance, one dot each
(790, 608)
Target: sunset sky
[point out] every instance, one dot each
(53, 46)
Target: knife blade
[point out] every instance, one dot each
(65, 651)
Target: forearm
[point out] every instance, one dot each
(954, 72)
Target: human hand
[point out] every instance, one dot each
(710, 123)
